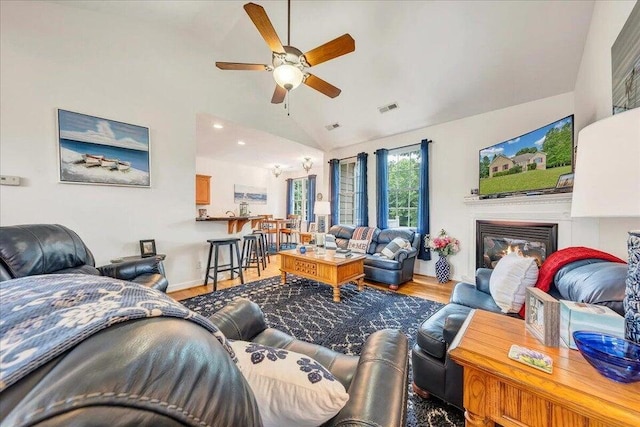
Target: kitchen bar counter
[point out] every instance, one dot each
(234, 223)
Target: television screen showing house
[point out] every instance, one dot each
(531, 162)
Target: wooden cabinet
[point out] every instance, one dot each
(203, 189)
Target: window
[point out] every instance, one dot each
(538, 160)
(505, 167)
(300, 187)
(404, 185)
(494, 169)
(347, 192)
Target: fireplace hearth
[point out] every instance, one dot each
(495, 239)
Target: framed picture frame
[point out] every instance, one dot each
(565, 181)
(542, 316)
(147, 248)
(99, 151)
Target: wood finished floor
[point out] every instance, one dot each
(421, 286)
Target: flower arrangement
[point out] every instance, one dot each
(443, 244)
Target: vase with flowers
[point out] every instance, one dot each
(444, 245)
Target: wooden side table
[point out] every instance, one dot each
(500, 390)
(136, 257)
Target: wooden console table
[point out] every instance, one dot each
(500, 390)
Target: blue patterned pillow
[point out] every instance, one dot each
(291, 389)
(391, 250)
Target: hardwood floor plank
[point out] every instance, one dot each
(421, 286)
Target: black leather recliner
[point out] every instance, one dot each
(33, 249)
(166, 371)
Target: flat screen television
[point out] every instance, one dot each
(535, 162)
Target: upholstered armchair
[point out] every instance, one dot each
(34, 249)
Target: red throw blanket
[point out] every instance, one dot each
(560, 258)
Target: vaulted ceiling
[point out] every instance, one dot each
(439, 60)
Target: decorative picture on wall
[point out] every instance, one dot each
(249, 194)
(625, 65)
(93, 150)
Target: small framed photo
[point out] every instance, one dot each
(565, 181)
(542, 316)
(147, 248)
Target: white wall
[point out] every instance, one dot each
(454, 166)
(593, 99)
(56, 56)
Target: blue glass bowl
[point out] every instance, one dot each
(615, 358)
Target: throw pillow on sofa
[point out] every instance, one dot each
(359, 246)
(396, 245)
(361, 239)
(291, 389)
(509, 280)
(330, 242)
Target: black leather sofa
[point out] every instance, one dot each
(392, 272)
(591, 281)
(172, 372)
(32, 249)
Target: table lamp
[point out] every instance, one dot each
(607, 184)
(322, 209)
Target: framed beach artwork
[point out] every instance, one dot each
(93, 150)
(249, 194)
(625, 65)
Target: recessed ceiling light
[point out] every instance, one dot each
(217, 126)
(241, 142)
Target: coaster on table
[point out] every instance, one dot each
(532, 358)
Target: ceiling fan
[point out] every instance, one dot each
(289, 64)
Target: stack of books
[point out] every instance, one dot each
(343, 253)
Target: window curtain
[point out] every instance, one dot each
(423, 200)
(334, 190)
(289, 196)
(362, 200)
(311, 197)
(382, 188)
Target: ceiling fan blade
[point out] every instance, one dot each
(333, 49)
(321, 86)
(278, 95)
(241, 66)
(264, 26)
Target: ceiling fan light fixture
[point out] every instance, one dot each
(277, 171)
(288, 76)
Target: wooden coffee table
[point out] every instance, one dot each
(326, 269)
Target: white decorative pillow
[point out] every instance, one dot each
(391, 250)
(509, 280)
(291, 389)
(359, 246)
(330, 242)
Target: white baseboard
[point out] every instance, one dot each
(184, 285)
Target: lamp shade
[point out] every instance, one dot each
(288, 76)
(322, 208)
(607, 168)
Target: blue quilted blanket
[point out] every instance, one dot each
(41, 317)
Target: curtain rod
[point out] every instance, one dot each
(344, 158)
(407, 146)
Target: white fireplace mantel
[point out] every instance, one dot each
(548, 208)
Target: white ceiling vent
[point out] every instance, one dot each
(388, 107)
(332, 126)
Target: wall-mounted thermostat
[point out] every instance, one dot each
(9, 180)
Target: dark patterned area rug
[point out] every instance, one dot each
(305, 309)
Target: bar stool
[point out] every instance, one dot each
(266, 256)
(252, 252)
(233, 243)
